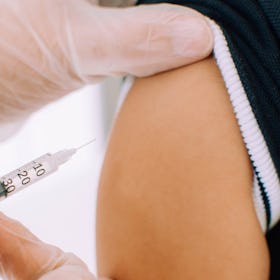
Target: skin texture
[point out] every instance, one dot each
(175, 196)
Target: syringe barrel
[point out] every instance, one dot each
(26, 175)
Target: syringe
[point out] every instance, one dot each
(34, 171)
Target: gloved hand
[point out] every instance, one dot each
(51, 47)
(24, 257)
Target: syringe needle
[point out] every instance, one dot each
(63, 156)
(86, 144)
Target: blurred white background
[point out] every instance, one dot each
(61, 208)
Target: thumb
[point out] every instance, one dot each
(140, 40)
(24, 256)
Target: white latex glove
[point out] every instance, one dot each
(24, 257)
(49, 48)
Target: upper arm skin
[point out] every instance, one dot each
(175, 195)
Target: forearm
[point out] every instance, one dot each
(175, 192)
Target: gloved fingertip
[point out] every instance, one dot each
(208, 36)
(200, 43)
(2, 215)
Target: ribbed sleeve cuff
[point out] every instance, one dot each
(266, 185)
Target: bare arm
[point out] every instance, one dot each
(175, 197)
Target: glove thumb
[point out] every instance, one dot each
(141, 40)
